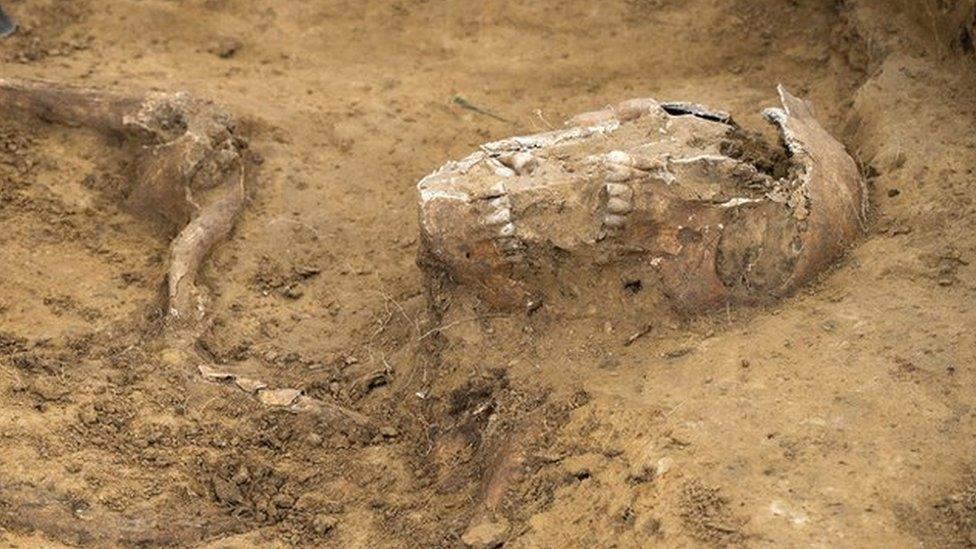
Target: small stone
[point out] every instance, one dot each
(88, 415)
(323, 524)
(49, 389)
(314, 439)
(242, 476)
(389, 432)
(226, 491)
(293, 291)
(664, 465)
(226, 48)
(174, 357)
(283, 501)
(486, 535)
(609, 361)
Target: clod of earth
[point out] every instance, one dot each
(645, 191)
(486, 535)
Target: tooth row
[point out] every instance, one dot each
(620, 196)
(500, 219)
(521, 163)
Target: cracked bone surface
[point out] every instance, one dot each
(672, 201)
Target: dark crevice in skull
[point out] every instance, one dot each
(689, 109)
(752, 148)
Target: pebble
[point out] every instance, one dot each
(242, 476)
(314, 439)
(283, 501)
(293, 292)
(664, 465)
(226, 491)
(226, 48)
(323, 524)
(88, 415)
(486, 535)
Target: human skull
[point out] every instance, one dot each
(673, 198)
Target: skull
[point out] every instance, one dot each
(672, 200)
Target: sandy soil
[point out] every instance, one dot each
(841, 416)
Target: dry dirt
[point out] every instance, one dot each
(844, 416)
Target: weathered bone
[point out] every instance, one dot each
(192, 172)
(643, 190)
(191, 177)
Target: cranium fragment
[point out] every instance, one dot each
(645, 195)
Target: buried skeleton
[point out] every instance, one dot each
(715, 215)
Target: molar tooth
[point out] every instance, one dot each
(521, 162)
(617, 173)
(499, 217)
(619, 157)
(618, 206)
(500, 202)
(618, 189)
(614, 221)
(507, 230)
(500, 169)
(510, 244)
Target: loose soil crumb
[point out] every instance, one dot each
(706, 515)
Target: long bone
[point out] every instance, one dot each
(192, 170)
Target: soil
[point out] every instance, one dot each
(841, 416)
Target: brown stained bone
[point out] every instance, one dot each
(192, 174)
(643, 191)
(292, 400)
(191, 178)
